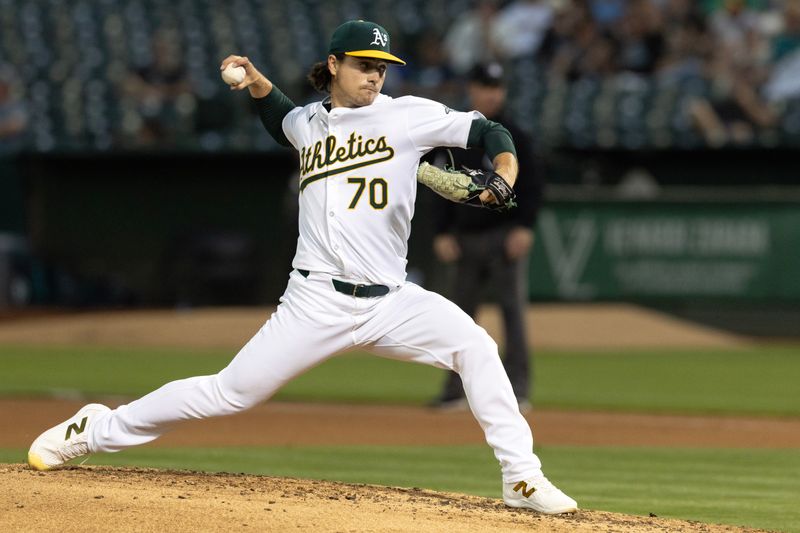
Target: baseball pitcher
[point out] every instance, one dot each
(359, 153)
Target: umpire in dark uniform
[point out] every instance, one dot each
(487, 246)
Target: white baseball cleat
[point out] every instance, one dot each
(65, 441)
(539, 494)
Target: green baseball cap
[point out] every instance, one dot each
(360, 38)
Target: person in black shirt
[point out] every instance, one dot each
(487, 246)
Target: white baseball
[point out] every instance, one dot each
(233, 75)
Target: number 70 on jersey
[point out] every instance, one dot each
(378, 191)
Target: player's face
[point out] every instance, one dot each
(357, 81)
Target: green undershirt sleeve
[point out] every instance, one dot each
(491, 136)
(272, 109)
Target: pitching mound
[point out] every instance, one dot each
(100, 499)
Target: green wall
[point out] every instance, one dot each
(604, 250)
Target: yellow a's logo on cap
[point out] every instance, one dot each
(380, 38)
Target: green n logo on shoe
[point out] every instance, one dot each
(522, 486)
(76, 428)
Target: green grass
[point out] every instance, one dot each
(98, 371)
(758, 381)
(756, 488)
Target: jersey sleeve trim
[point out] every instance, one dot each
(272, 109)
(491, 136)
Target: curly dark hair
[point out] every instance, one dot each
(320, 77)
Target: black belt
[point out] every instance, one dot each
(359, 291)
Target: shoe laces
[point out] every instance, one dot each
(543, 485)
(73, 448)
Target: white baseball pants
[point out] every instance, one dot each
(314, 322)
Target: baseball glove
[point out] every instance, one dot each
(466, 187)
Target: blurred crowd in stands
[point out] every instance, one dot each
(744, 57)
(633, 74)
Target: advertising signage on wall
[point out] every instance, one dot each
(610, 251)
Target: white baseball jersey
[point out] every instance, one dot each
(358, 181)
(358, 185)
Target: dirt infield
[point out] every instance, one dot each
(100, 499)
(21, 420)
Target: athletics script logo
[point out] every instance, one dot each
(380, 38)
(323, 154)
